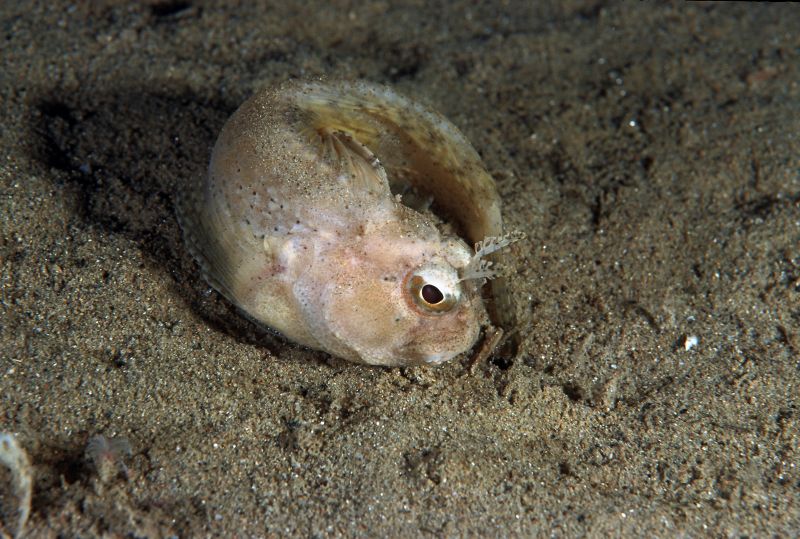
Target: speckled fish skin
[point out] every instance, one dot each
(296, 223)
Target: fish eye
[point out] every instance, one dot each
(433, 292)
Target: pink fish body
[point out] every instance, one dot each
(297, 223)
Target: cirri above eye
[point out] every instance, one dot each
(433, 290)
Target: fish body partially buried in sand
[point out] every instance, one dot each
(297, 223)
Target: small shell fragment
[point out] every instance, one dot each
(14, 457)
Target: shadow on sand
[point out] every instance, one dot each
(126, 154)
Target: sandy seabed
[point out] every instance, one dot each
(650, 152)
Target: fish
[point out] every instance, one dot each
(315, 220)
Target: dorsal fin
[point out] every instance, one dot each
(356, 162)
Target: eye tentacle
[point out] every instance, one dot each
(479, 267)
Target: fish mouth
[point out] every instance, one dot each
(412, 355)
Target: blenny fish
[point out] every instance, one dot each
(302, 223)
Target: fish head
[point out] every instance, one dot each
(397, 299)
